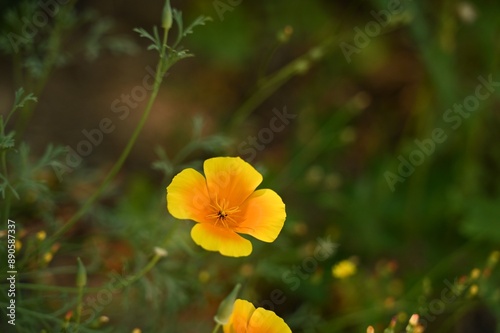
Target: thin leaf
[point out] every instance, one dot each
(200, 20)
(7, 141)
(6, 185)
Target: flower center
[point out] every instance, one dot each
(223, 214)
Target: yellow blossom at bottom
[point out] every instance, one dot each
(247, 319)
(344, 269)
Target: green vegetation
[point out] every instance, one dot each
(375, 121)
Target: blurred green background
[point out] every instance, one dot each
(367, 85)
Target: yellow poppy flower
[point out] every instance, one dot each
(225, 204)
(247, 319)
(344, 269)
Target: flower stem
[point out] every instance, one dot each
(143, 271)
(79, 307)
(216, 328)
(116, 167)
(273, 82)
(161, 68)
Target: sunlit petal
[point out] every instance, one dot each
(265, 321)
(187, 196)
(246, 319)
(239, 319)
(263, 215)
(230, 179)
(224, 240)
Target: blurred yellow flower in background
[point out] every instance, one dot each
(344, 269)
(225, 203)
(247, 319)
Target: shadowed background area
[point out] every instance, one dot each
(376, 121)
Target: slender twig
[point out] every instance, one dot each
(161, 68)
(273, 82)
(216, 328)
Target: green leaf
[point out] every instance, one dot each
(5, 185)
(180, 26)
(155, 38)
(163, 164)
(20, 99)
(7, 141)
(51, 155)
(200, 20)
(143, 33)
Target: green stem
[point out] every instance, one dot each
(275, 81)
(161, 68)
(79, 308)
(143, 271)
(131, 280)
(48, 288)
(116, 167)
(266, 63)
(216, 328)
(6, 201)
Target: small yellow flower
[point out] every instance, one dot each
(18, 245)
(247, 319)
(224, 203)
(344, 269)
(41, 235)
(204, 276)
(475, 274)
(47, 257)
(473, 290)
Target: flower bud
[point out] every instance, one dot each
(160, 251)
(414, 319)
(166, 20)
(81, 275)
(226, 306)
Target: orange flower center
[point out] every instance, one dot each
(223, 214)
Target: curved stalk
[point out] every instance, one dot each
(161, 68)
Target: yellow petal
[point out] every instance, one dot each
(230, 179)
(240, 317)
(263, 215)
(265, 321)
(187, 196)
(246, 319)
(224, 240)
(344, 269)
